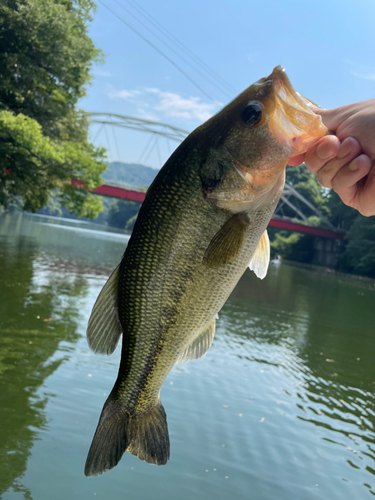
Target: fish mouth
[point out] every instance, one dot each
(293, 122)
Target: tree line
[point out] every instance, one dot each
(45, 61)
(357, 253)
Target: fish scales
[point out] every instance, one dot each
(202, 223)
(173, 281)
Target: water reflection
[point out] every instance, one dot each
(322, 336)
(39, 309)
(282, 406)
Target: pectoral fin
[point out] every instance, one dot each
(261, 259)
(200, 345)
(227, 243)
(104, 328)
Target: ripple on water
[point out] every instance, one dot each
(281, 407)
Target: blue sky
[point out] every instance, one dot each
(327, 48)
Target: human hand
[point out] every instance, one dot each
(340, 165)
(354, 120)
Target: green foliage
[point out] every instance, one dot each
(308, 186)
(359, 252)
(130, 224)
(45, 57)
(297, 246)
(340, 215)
(358, 248)
(26, 158)
(293, 246)
(282, 243)
(130, 173)
(120, 213)
(45, 60)
(32, 165)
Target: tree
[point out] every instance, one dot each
(45, 61)
(359, 253)
(358, 247)
(308, 186)
(358, 250)
(340, 215)
(121, 212)
(129, 226)
(296, 246)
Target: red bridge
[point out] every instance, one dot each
(291, 200)
(132, 193)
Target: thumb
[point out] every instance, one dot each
(331, 118)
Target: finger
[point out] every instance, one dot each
(333, 118)
(347, 183)
(366, 200)
(296, 160)
(349, 149)
(330, 117)
(324, 150)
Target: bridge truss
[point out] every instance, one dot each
(291, 201)
(151, 127)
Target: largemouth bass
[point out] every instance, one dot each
(203, 222)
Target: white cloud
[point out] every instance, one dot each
(151, 100)
(174, 105)
(152, 90)
(364, 76)
(123, 94)
(361, 71)
(146, 115)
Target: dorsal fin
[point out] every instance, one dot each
(104, 328)
(227, 242)
(200, 345)
(261, 259)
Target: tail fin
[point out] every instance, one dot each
(145, 436)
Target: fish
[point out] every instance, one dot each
(202, 224)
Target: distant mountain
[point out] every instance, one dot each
(130, 173)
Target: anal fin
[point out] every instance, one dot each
(261, 258)
(104, 328)
(200, 345)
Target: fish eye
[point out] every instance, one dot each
(252, 114)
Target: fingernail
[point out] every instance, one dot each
(362, 161)
(353, 166)
(348, 146)
(324, 151)
(345, 149)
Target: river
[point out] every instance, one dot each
(281, 407)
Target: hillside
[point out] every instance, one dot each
(130, 173)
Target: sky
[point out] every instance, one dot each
(326, 46)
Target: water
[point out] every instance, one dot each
(282, 406)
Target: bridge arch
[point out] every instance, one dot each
(301, 208)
